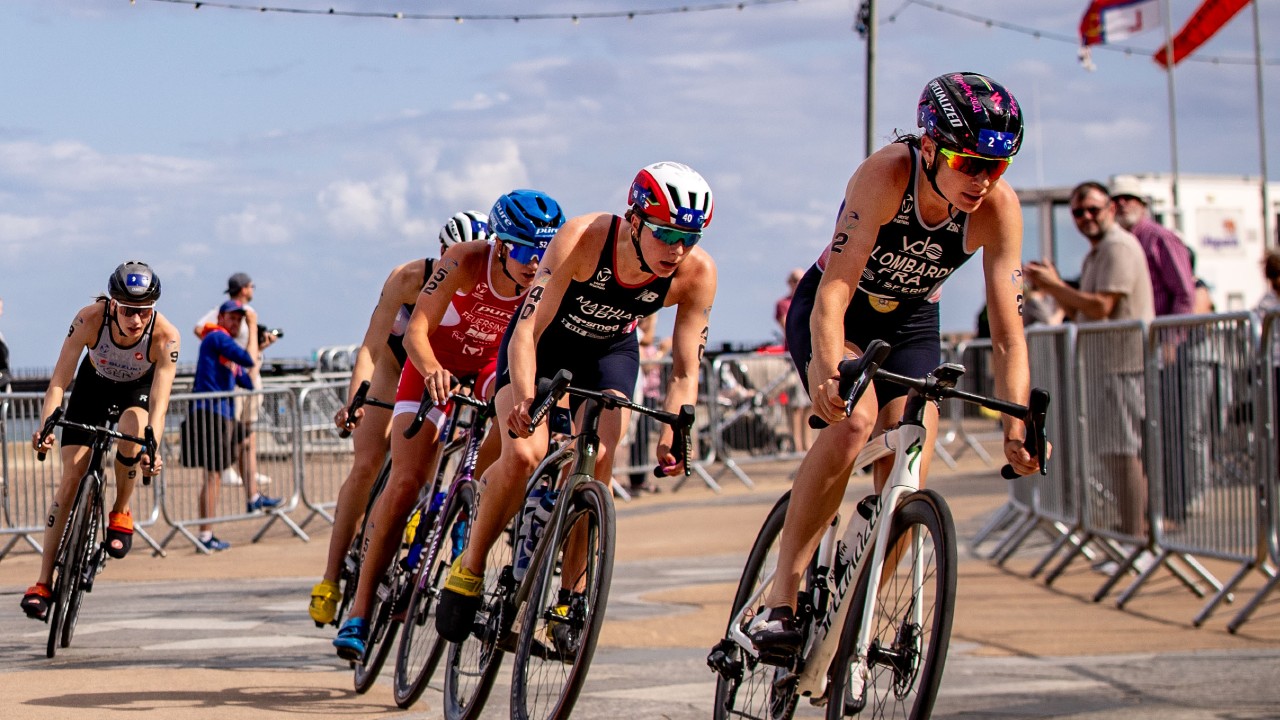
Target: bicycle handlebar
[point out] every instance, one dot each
(148, 441)
(550, 390)
(425, 405)
(359, 400)
(856, 375)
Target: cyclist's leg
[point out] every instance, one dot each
(390, 511)
(75, 461)
(612, 423)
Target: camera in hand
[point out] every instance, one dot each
(264, 332)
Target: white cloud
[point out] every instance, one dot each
(255, 225)
(75, 166)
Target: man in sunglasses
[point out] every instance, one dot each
(457, 324)
(1115, 284)
(130, 359)
(912, 213)
(602, 274)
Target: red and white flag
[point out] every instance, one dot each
(1107, 21)
(1203, 24)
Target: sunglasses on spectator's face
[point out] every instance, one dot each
(1093, 211)
(974, 165)
(671, 236)
(130, 311)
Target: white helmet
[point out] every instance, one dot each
(465, 226)
(673, 194)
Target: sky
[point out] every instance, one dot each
(318, 152)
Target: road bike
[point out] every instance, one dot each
(392, 594)
(550, 618)
(876, 607)
(81, 554)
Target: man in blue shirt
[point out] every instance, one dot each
(222, 365)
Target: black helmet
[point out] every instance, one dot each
(134, 283)
(971, 113)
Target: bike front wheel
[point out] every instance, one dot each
(420, 645)
(746, 687)
(565, 610)
(911, 622)
(74, 556)
(471, 666)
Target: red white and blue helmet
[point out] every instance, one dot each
(674, 194)
(465, 226)
(134, 283)
(971, 113)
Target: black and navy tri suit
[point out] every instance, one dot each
(395, 340)
(897, 295)
(593, 333)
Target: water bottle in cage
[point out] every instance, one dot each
(533, 517)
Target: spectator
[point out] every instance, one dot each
(240, 287)
(1271, 270)
(222, 365)
(1202, 300)
(1168, 258)
(796, 398)
(4, 357)
(1114, 285)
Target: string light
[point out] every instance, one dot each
(1059, 37)
(574, 17)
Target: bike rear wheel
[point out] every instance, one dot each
(472, 665)
(564, 613)
(746, 687)
(420, 646)
(910, 629)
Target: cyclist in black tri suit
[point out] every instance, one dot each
(130, 360)
(379, 360)
(601, 275)
(912, 213)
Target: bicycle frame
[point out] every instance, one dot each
(841, 564)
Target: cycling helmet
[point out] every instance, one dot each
(134, 283)
(672, 194)
(971, 113)
(465, 226)
(526, 217)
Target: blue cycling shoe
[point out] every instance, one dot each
(351, 639)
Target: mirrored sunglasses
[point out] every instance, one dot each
(671, 236)
(524, 254)
(973, 165)
(131, 311)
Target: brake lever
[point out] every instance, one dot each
(356, 403)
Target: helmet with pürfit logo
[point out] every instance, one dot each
(971, 113)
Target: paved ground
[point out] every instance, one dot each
(227, 636)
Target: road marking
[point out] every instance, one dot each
(225, 643)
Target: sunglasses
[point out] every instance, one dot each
(524, 254)
(1080, 212)
(129, 311)
(973, 165)
(671, 236)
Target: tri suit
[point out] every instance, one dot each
(110, 379)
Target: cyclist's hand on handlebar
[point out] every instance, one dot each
(39, 444)
(340, 419)
(438, 383)
(1023, 462)
(518, 420)
(827, 402)
(152, 467)
(668, 464)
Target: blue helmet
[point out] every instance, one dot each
(526, 217)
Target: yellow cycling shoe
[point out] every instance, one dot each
(459, 601)
(324, 602)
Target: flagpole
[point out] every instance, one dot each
(1268, 237)
(1173, 119)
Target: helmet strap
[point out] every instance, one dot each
(635, 242)
(931, 172)
(502, 263)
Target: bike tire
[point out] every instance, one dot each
(471, 666)
(907, 658)
(552, 658)
(64, 572)
(88, 554)
(382, 631)
(420, 646)
(756, 693)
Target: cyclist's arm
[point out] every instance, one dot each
(577, 244)
(458, 270)
(872, 198)
(80, 335)
(165, 344)
(692, 292)
(400, 288)
(998, 223)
